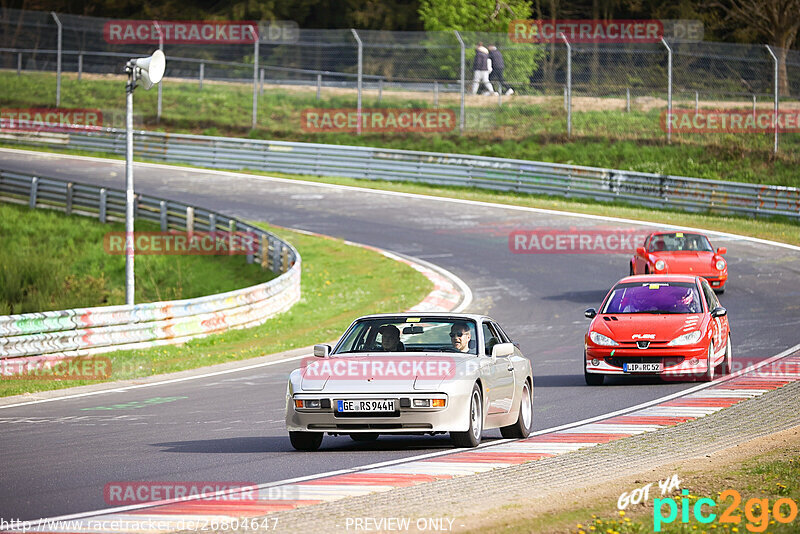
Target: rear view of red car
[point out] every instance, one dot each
(664, 325)
(682, 253)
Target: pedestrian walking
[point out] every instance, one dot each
(481, 67)
(498, 65)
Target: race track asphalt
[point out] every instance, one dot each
(58, 456)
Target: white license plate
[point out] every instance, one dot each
(365, 405)
(642, 367)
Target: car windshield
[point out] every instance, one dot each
(654, 297)
(410, 334)
(680, 242)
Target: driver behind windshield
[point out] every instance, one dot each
(460, 336)
(390, 338)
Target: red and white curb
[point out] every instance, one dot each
(217, 510)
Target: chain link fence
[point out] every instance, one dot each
(548, 91)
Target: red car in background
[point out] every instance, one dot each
(664, 325)
(682, 253)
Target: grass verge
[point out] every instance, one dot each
(55, 262)
(340, 282)
(524, 127)
(761, 480)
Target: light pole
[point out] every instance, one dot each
(148, 71)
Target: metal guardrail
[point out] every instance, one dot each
(572, 181)
(100, 329)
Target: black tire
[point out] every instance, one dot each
(646, 269)
(367, 436)
(725, 367)
(305, 441)
(522, 428)
(708, 376)
(593, 379)
(472, 437)
(719, 291)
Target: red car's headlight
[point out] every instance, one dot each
(687, 339)
(599, 339)
(720, 265)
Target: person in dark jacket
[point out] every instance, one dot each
(481, 66)
(497, 71)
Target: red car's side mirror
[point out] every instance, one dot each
(641, 251)
(722, 250)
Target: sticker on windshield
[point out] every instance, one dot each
(679, 234)
(656, 286)
(413, 319)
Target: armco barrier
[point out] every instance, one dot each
(653, 190)
(100, 329)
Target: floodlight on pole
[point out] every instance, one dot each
(148, 71)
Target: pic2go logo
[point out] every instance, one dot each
(756, 511)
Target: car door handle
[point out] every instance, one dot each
(510, 367)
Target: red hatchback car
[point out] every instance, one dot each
(666, 325)
(682, 253)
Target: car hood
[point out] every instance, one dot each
(688, 262)
(628, 327)
(385, 371)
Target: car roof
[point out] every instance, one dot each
(667, 232)
(437, 315)
(644, 278)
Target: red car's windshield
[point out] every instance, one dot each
(654, 297)
(680, 242)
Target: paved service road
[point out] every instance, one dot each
(58, 456)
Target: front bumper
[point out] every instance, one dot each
(406, 419)
(688, 360)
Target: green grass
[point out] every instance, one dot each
(613, 139)
(53, 262)
(340, 282)
(768, 477)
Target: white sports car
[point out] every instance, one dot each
(412, 373)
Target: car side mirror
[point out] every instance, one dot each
(591, 313)
(719, 311)
(322, 351)
(722, 250)
(502, 349)
(641, 251)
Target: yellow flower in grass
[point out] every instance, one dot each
(622, 513)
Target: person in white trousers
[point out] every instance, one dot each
(481, 67)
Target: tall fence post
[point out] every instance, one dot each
(669, 89)
(256, 41)
(380, 90)
(58, 61)
(202, 74)
(261, 75)
(163, 215)
(461, 82)
(775, 93)
(160, 85)
(435, 93)
(627, 99)
(360, 77)
(19, 63)
(319, 86)
(80, 66)
(569, 85)
(102, 205)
